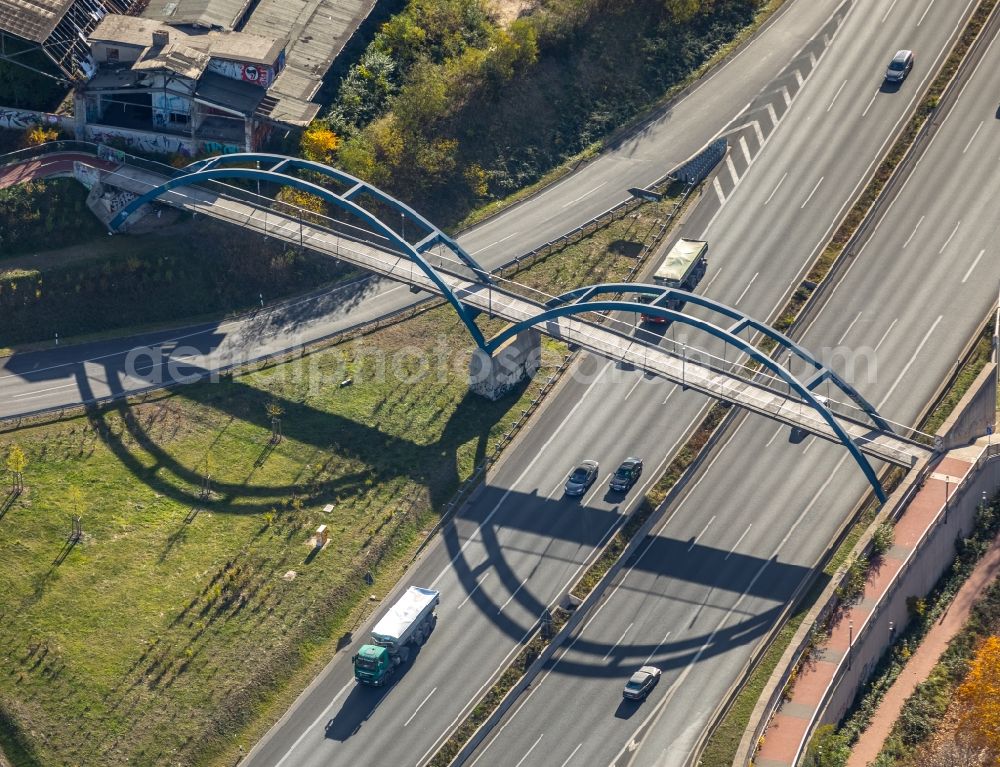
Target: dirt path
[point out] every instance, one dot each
(922, 662)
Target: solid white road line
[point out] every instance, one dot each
(921, 19)
(570, 757)
(718, 190)
(627, 629)
(597, 486)
(973, 137)
(714, 278)
(874, 96)
(909, 364)
(695, 540)
(517, 482)
(632, 746)
(732, 169)
(841, 339)
(775, 189)
(738, 542)
(832, 101)
(773, 115)
(914, 231)
(511, 597)
(949, 238)
(529, 751)
(974, 265)
(774, 436)
(469, 595)
(747, 288)
(312, 728)
(420, 706)
(584, 195)
(885, 335)
(812, 192)
(657, 648)
(745, 149)
(487, 247)
(638, 381)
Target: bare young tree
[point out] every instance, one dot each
(274, 412)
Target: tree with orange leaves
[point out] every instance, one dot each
(980, 693)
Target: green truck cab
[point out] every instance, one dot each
(407, 624)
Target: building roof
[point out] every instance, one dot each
(32, 19)
(127, 30)
(212, 14)
(232, 94)
(239, 46)
(234, 46)
(173, 57)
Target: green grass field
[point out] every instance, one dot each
(170, 634)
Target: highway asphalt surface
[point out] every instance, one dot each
(517, 547)
(57, 377)
(731, 553)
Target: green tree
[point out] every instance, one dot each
(17, 461)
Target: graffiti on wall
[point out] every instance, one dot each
(249, 73)
(23, 119)
(216, 147)
(139, 141)
(87, 175)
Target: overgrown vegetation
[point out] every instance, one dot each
(830, 747)
(24, 88)
(193, 269)
(41, 215)
(452, 108)
(220, 610)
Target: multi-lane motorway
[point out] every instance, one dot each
(732, 552)
(62, 376)
(518, 546)
(712, 580)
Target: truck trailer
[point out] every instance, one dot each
(682, 267)
(407, 624)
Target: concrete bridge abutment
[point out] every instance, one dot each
(516, 359)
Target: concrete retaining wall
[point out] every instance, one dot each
(935, 552)
(977, 414)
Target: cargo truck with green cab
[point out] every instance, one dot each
(407, 624)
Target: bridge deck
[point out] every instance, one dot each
(749, 394)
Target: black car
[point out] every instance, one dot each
(583, 477)
(627, 475)
(899, 67)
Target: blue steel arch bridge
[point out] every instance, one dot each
(413, 251)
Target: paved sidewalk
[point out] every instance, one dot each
(786, 733)
(60, 164)
(922, 662)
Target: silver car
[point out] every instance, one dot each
(583, 477)
(641, 683)
(899, 67)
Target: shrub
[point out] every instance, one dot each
(883, 538)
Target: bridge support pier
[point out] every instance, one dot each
(516, 359)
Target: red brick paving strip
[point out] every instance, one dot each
(785, 733)
(923, 661)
